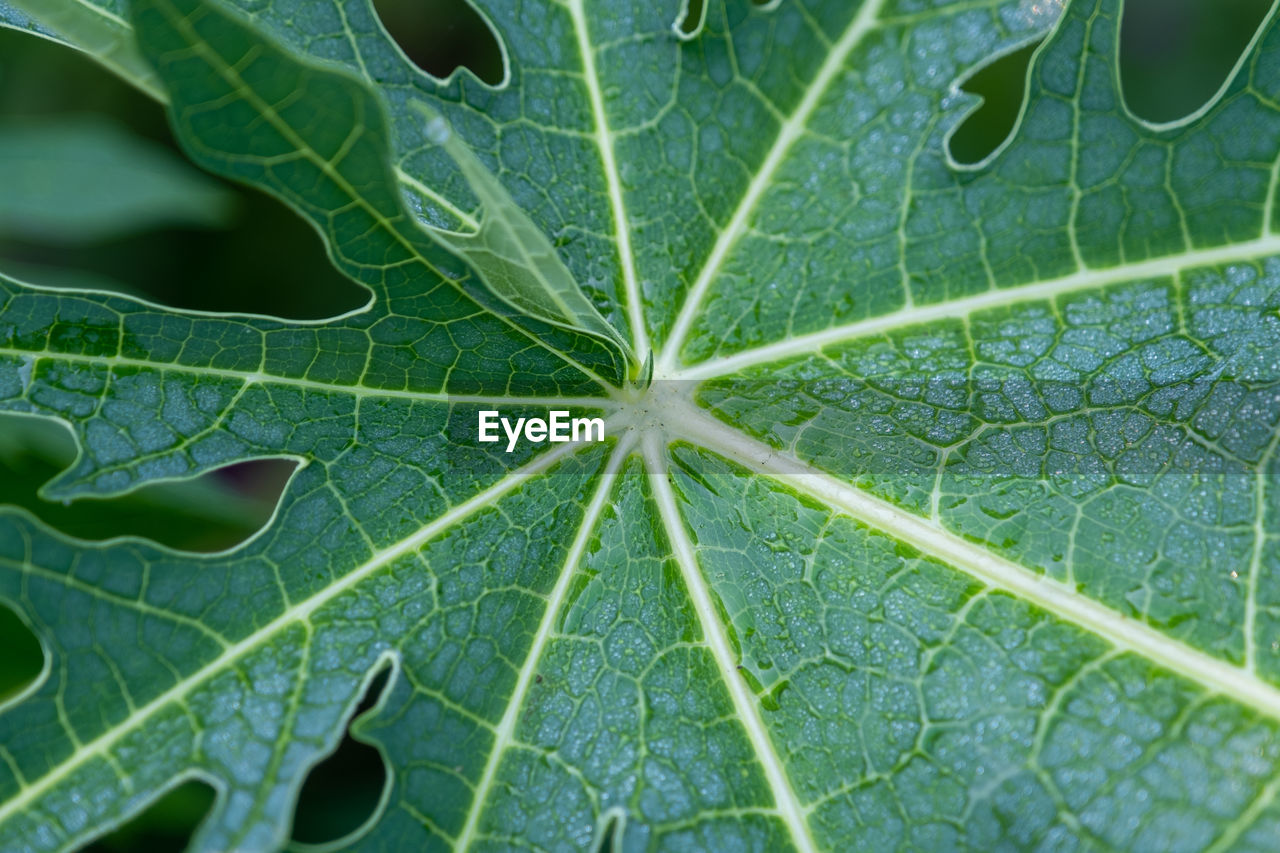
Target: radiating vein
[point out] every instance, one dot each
(748, 711)
(617, 204)
(257, 377)
(1168, 266)
(298, 612)
(507, 726)
(1053, 596)
(863, 22)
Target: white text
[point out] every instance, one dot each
(556, 427)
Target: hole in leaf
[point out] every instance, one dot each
(1176, 54)
(23, 657)
(260, 257)
(610, 838)
(165, 826)
(690, 22)
(258, 266)
(441, 36)
(343, 791)
(1002, 86)
(212, 512)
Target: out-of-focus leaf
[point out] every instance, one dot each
(94, 27)
(81, 179)
(67, 278)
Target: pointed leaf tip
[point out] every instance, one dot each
(510, 253)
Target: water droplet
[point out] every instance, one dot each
(438, 131)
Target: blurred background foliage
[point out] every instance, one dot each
(154, 226)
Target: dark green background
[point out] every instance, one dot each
(1175, 55)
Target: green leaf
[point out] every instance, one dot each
(98, 28)
(513, 258)
(15, 19)
(204, 514)
(947, 521)
(82, 179)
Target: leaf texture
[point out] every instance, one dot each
(947, 521)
